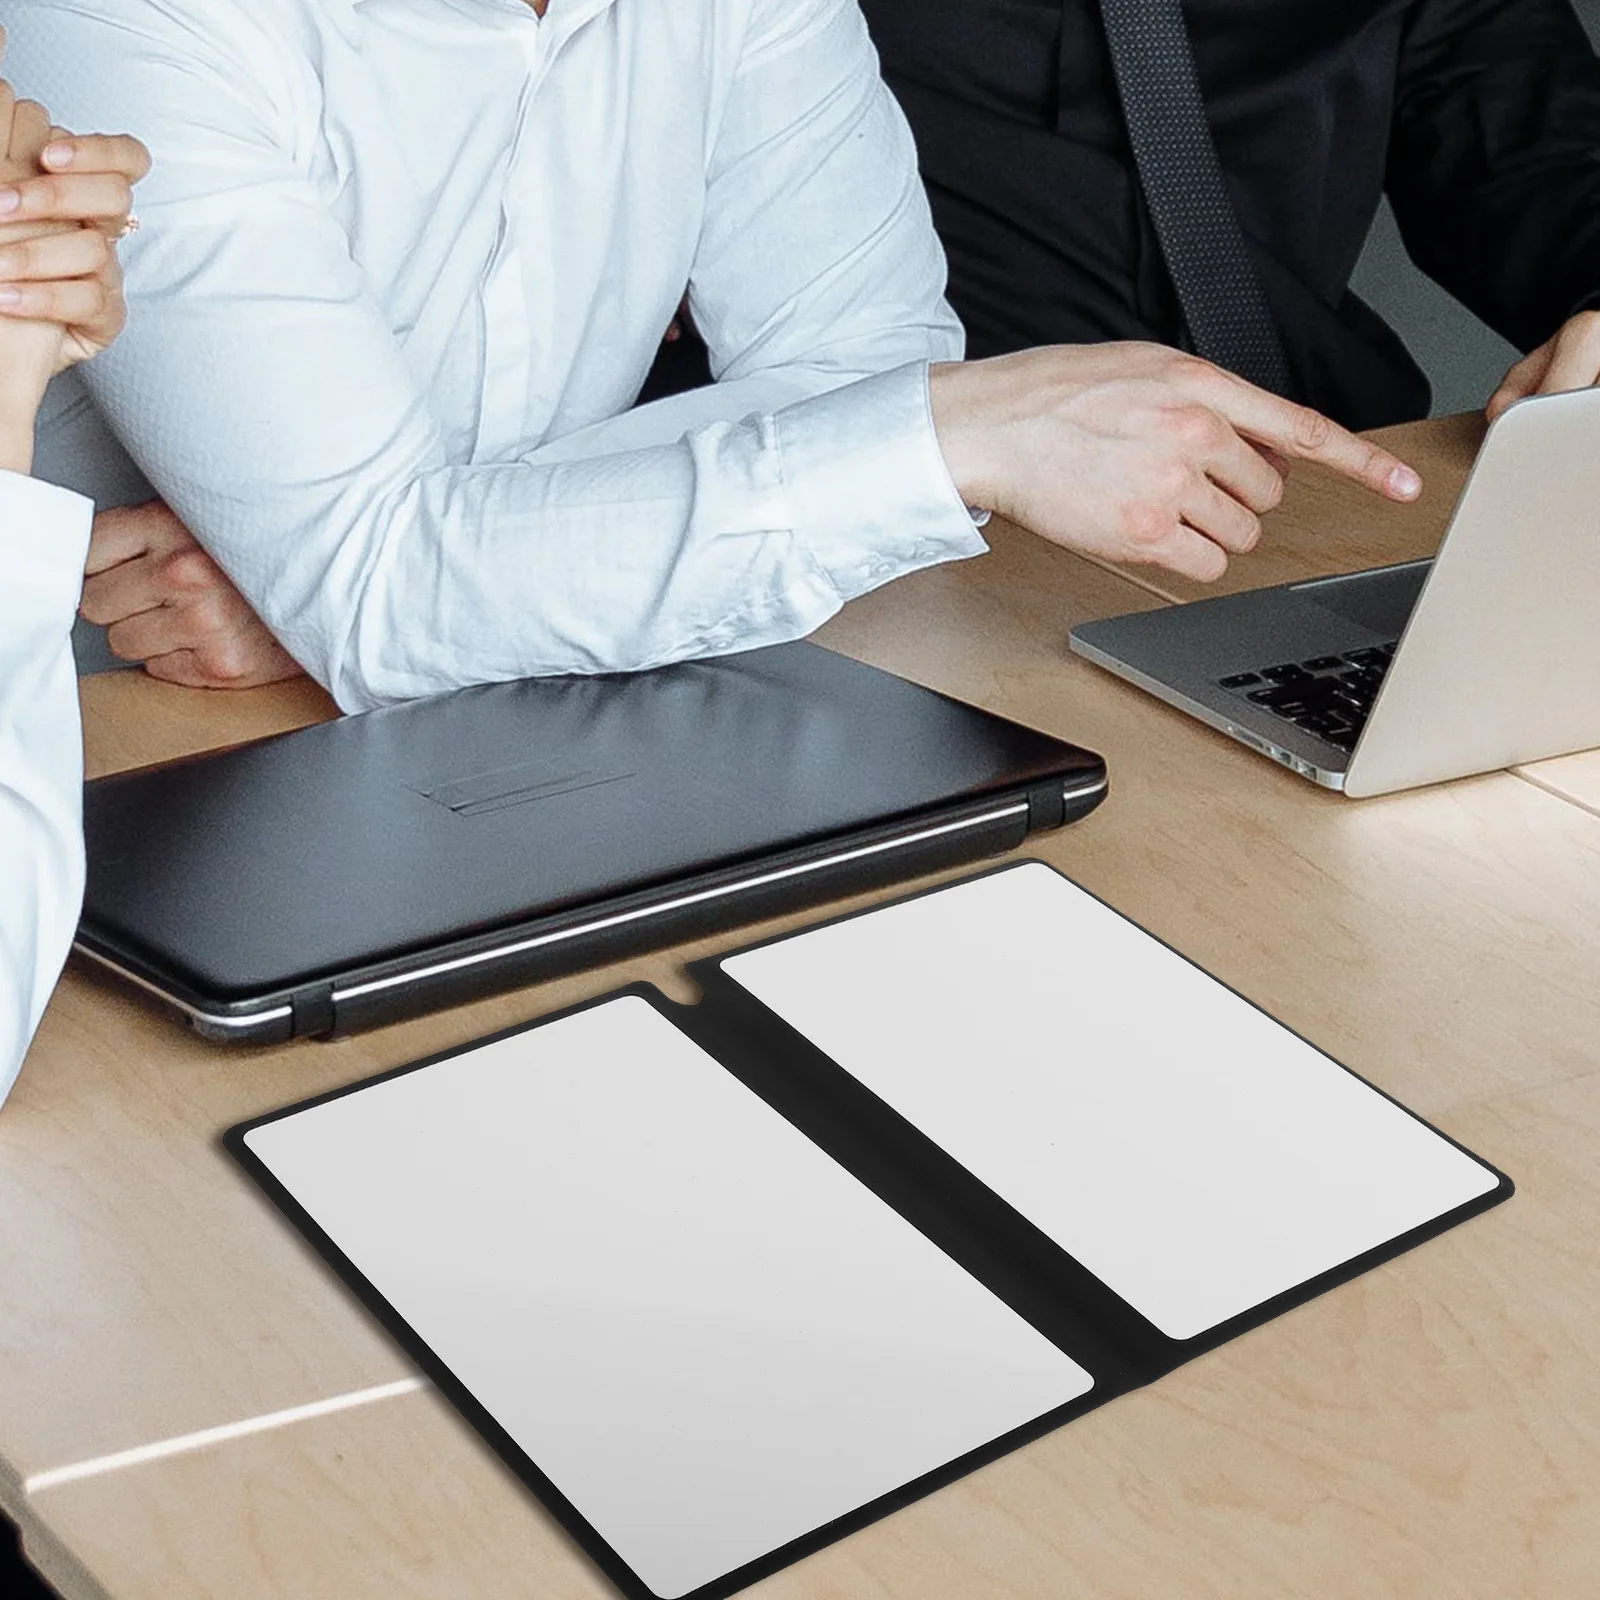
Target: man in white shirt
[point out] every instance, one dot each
(405, 266)
(60, 303)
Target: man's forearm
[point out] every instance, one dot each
(735, 535)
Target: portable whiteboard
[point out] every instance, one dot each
(725, 1282)
(1192, 1153)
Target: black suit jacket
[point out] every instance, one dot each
(1481, 118)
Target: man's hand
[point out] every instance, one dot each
(1134, 452)
(1571, 360)
(166, 603)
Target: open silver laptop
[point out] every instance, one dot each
(1484, 657)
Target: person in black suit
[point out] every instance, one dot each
(1479, 118)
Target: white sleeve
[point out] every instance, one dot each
(44, 537)
(262, 391)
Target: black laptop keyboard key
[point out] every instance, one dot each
(1280, 698)
(1329, 696)
(1325, 695)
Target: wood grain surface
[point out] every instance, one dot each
(1432, 1429)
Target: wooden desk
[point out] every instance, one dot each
(1430, 1430)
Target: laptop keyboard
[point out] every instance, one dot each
(1329, 696)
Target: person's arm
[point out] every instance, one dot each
(1494, 172)
(44, 533)
(390, 571)
(58, 317)
(264, 394)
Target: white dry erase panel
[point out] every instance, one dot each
(1196, 1156)
(705, 1333)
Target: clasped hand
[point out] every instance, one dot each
(63, 199)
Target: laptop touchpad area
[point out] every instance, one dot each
(1382, 600)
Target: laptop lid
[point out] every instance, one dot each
(1500, 661)
(387, 837)
(1498, 655)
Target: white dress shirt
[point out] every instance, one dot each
(405, 263)
(44, 536)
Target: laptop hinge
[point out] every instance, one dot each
(1047, 806)
(313, 1011)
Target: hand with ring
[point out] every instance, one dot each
(64, 200)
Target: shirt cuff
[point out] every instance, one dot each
(872, 494)
(44, 540)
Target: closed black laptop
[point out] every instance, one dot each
(371, 868)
